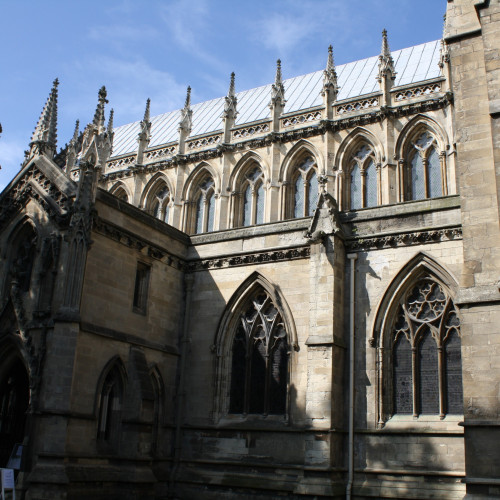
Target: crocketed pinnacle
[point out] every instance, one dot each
(386, 62)
(329, 61)
(147, 111)
(76, 132)
(98, 120)
(329, 74)
(187, 104)
(46, 128)
(230, 100)
(110, 121)
(186, 114)
(278, 89)
(278, 79)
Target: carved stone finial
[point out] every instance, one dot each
(230, 101)
(186, 116)
(44, 139)
(98, 120)
(147, 111)
(386, 67)
(278, 89)
(330, 76)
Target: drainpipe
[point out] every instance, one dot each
(189, 280)
(352, 257)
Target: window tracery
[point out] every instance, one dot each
(253, 198)
(205, 207)
(363, 179)
(306, 190)
(426, 357)
(158, 204)
(259, 368)
(425, 173)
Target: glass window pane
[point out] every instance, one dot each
(453, 371)
(434, 174)
(259, 201)
(371, 185)
(211, 212)
(299, 197)
(356, 201)
(417, 178)
(313, 193)
(247, 206)
(428, 383)
(167, 211)
(199, 215)
(403, 392)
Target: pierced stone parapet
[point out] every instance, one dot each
(424, 90)
(160, 153)
(204, 142)
(352, 107)
(243, 133)
(120, 163)
(300, 119)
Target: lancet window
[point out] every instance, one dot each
(363, 179)
(121, 194)
(205, 207)
(425, 174)
(426, 356)
(305, 188)
(259, 360)
(159, 202)
(252, 201)
(110, 404)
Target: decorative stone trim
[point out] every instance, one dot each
(124, 162)
(403, 239)
(204, 142)
(131, 240)
(411, 108)
(254, 258)
(302, 118)
(241, 133)
(423, 90)
(160, 153)
(352, 107)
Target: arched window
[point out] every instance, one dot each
(305, 188)
(363, 189)
(426, 358)
(205, 207)
(119, 191)
(253, 198)
(259, 366)
(110, 405)
(158, 203)
(424, 179)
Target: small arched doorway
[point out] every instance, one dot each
(14, 401)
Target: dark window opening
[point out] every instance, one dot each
(141, 288)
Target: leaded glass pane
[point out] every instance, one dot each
(417, 178)
(211, 212)
(313, 193)
(247, 206)
(453, 370)
(434, 174)
(428, 374)
(403, 392)
(238, 372)
(199, 215)
(371, 185)
(356, 200)
(167, 211)
(259, 201)
(299, 197)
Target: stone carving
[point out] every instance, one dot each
(302, 118)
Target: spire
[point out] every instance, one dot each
(386, 62)
(98, 120)
(230, 100)
(278, 89)
(45, 134)
(330, 75)
(186, 114)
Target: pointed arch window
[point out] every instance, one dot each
(363, 189)
(425, 175)
(259, 367)
(121, 194)
(426, 358)
(205, 207)
(305, 188)
(159, 202)
(253, 198)
(110, 405)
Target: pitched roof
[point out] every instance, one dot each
(413, 64)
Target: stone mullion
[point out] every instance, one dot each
(340, 190)
(425, 164)
(442, 405)
(306, 196)
(381, 396)
(414, 376)
(362, 174)
(378, 168)
(400, 181)
(444, 173)
(253, 201)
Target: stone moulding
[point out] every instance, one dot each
(360, 244)
(364, 117)
(302, 252)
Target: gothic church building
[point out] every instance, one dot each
(291, 291)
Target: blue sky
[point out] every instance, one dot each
(157, 48)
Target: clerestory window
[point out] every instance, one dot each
(305, 190)
(426, 355)
(253, 199)
(205, 207)
(259, 360)
(363, 179)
